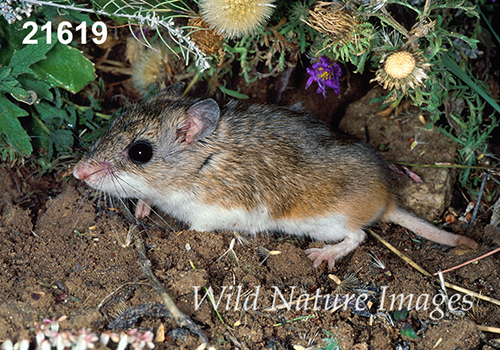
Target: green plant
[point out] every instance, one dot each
(402, 316)
(424, 55)
(270, 50)
(31, 80)
(331, 342)
(36, 81)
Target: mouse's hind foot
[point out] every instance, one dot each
(333, 252)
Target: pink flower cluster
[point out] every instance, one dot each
(48, 336)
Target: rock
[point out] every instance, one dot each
(393, 136)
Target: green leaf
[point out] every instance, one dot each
(450, 64)
(233, 93)
(8, 85)
(39, 87)
(4, 72)
(407, 330)
(65, 67)
(71, 15)
(400, 315)
(12, 86)
(50, 128)
(12, 36)
(28, 97)
(53, 115)
(11, 127)
(429, 126)
(22, 59)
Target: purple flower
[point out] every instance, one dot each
(326, 74)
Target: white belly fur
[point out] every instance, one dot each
(204, 217)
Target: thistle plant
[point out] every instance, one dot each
(345, 36)
(423, 55)
(419, 61)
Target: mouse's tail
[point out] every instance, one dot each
(421, 227)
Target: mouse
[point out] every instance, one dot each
(251, 168)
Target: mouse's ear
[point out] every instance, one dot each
(201, 120)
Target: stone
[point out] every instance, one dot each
(404, 138)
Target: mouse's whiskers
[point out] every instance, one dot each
(119, 184)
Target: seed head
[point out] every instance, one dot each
(400, 64)
(235, 18)
(402, 70)
(333, 21)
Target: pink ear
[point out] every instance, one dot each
(194, 129)
(201, 120)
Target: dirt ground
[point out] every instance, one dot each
(61, 256)
(64, 253)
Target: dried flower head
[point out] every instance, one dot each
(399, 65)
(235, 18)
(333, 21)
(346, 35)
(155, 65)
(402, 70)
(151, 68)
(208, 40)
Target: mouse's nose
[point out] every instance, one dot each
(83, 170)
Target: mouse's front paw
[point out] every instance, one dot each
(142, 209)
(328, 253)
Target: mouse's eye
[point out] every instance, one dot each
(140, 152)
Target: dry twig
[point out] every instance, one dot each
(425, 273)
